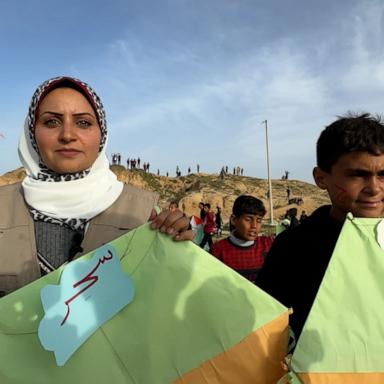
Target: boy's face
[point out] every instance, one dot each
(355, 184)
(172, 207)
(247, 226)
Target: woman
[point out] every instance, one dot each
(70, 202)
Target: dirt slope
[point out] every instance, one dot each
(190, 190)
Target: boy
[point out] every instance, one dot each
(350, 167)
(202, 212)
(209, 227)
(173, 206)
(244, 249)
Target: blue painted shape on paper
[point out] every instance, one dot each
(89, 294)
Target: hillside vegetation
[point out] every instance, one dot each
(190, 190)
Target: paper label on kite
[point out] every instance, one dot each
(89, 294)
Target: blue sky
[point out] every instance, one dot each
(190, 81)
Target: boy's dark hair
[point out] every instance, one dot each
(350, 133)
(207, 205)
(292, 212)
(248, 204)
(175, 203)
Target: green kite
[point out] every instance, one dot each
(343, 338)
(192, 320)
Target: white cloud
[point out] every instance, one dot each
(366, 56)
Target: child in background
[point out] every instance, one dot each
(244, 250)
(173, 206)
(219, 222)
(209, 227)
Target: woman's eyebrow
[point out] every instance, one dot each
(51, 113)
(83, 113)
(61, 114)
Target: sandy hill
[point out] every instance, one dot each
(190, 190)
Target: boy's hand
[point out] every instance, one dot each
(174, 224)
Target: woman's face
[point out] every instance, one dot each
(67, 131)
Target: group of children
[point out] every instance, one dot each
(350, 167)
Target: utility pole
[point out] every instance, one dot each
(269, 175)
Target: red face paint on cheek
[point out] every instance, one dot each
(340, 197)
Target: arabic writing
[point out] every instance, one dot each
(90, 277)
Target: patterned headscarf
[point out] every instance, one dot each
(67, 199)
(42, 91)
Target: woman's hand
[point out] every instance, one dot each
(174, 224)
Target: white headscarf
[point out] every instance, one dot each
(70, 199)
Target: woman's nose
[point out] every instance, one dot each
(67, 132)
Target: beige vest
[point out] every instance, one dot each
(18, 259)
